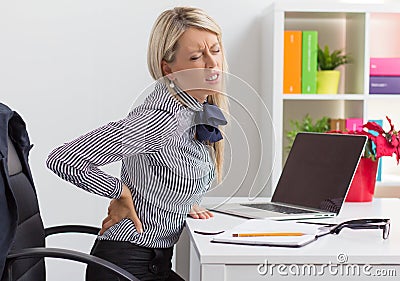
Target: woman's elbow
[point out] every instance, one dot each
(53, 162)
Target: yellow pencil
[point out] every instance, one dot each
(268, 234)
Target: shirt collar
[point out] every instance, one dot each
(188, 100)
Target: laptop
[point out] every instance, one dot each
(314, 181)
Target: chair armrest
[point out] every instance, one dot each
(71, 228)
(69, 255)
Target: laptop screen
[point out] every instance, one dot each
(319, 170)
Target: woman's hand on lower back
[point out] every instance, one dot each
(122, 208)
(198, 212)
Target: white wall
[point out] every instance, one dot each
(69, 66)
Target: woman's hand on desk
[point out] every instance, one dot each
(122, 208)
(198, 212)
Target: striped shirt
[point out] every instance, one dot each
(166, 169)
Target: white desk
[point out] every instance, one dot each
(213, 261)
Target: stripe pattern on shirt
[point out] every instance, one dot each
(164, 166)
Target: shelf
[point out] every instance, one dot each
(317, 15)
(322, 97)
(359, 97)
(354, 28)
(389, 180)
(384, 97)
(336, 6)
(383, 184)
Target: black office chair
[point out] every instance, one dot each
(25, 260)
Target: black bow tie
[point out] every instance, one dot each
(207, 122)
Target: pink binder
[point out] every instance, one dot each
(384, 67)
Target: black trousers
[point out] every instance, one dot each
(143, 263)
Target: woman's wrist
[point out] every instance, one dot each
(126, 193)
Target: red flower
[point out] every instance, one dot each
(383, 147)
(391, 125)
(373, 126)
(386, 143)
(395, 141)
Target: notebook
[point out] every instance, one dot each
(314, 181)
(281, 233)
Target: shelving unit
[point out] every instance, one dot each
(361, 30)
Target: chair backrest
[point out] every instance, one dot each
(30, 230)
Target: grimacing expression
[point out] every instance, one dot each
(198, 63)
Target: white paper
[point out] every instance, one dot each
(268, 226)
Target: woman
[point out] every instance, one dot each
(168, 149)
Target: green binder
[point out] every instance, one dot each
(309, 62)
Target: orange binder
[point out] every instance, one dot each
(292, 62)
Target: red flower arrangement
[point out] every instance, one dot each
(386, 143)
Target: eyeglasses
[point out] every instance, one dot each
(328, 228)
(383, 224)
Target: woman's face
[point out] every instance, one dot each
(198, 63)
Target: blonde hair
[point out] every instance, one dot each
(167, 30)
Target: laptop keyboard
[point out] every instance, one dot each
(277, 208)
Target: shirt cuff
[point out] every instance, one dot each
(197, 199)
(116, 194)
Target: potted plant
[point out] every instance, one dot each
(385, 144)
(306, 125)
(327, 77)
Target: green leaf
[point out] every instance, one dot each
(306, 125)
(330, 61)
